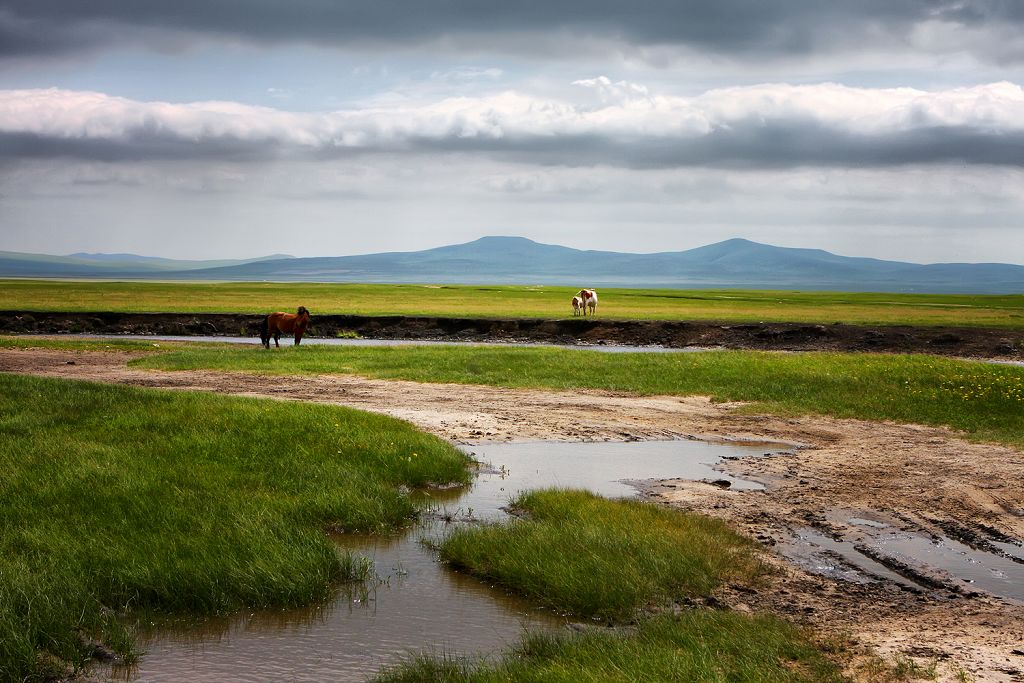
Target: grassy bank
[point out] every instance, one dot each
(118, 499)
(985, 401)
(602, 559)
(514, 301)
(614, 560)
(694, 646)
(9, 342)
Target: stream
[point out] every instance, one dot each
(416, 603)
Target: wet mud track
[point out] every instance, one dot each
(846, 476)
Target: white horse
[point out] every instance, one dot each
(577, 306)
(589, 297)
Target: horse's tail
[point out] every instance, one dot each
(265, 331)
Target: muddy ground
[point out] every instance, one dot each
(927, 479)
(950, 341)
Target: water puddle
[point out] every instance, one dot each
(417, 603)
(968, 569)
(1012, 549)
(872, 550)
(860, 521)
(824, 555)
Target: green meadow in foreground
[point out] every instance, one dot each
(524, 301)
(612, 560)
(986, 401)
(696, 645)
(579, 553)
(119, 500)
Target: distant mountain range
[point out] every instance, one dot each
(81, 264)
(516, 260)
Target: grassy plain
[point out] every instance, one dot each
(985, 401)
(117, 500)
(575, 552)
(514, 301)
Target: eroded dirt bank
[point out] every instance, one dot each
(926, 479)
(950, 341)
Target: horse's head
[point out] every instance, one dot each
(303, 311)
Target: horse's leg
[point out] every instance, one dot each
(298, 337)
(277, 338)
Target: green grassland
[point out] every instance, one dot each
(514, 301)
(615, 561)
(985, 401)
(120, 501)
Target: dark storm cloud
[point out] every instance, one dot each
(138, 146)
(774, 146)
(730, 27)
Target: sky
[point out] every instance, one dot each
(239, 128)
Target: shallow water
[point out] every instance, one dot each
(320, 341)
(417, 603)
(838, 559)
(956, 564)
(1012, 549)
(970, 569)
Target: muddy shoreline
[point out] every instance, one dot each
(976, 342)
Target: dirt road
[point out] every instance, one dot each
(922, 479)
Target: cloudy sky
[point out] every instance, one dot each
(228, 128)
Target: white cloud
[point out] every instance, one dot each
(467, 73)
(825, 123)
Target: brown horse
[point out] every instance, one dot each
(276, 323)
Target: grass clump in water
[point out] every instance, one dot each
(603, 559)
(697, 645)
(118, 499)
(617, 560)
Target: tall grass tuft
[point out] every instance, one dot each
(697, 645)
(611, 560)
(117, 499)
(602, 559)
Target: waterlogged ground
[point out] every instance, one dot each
(920, 481)
(415, 603)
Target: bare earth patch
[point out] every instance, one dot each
(924, 479)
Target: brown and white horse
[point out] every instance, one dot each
(276, 323)
(589, 298)
(577, 306)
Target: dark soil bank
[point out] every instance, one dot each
(951, 341)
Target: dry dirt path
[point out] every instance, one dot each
(927, 479)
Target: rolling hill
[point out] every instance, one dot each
(517, 260)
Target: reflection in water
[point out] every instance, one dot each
(416, 603)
